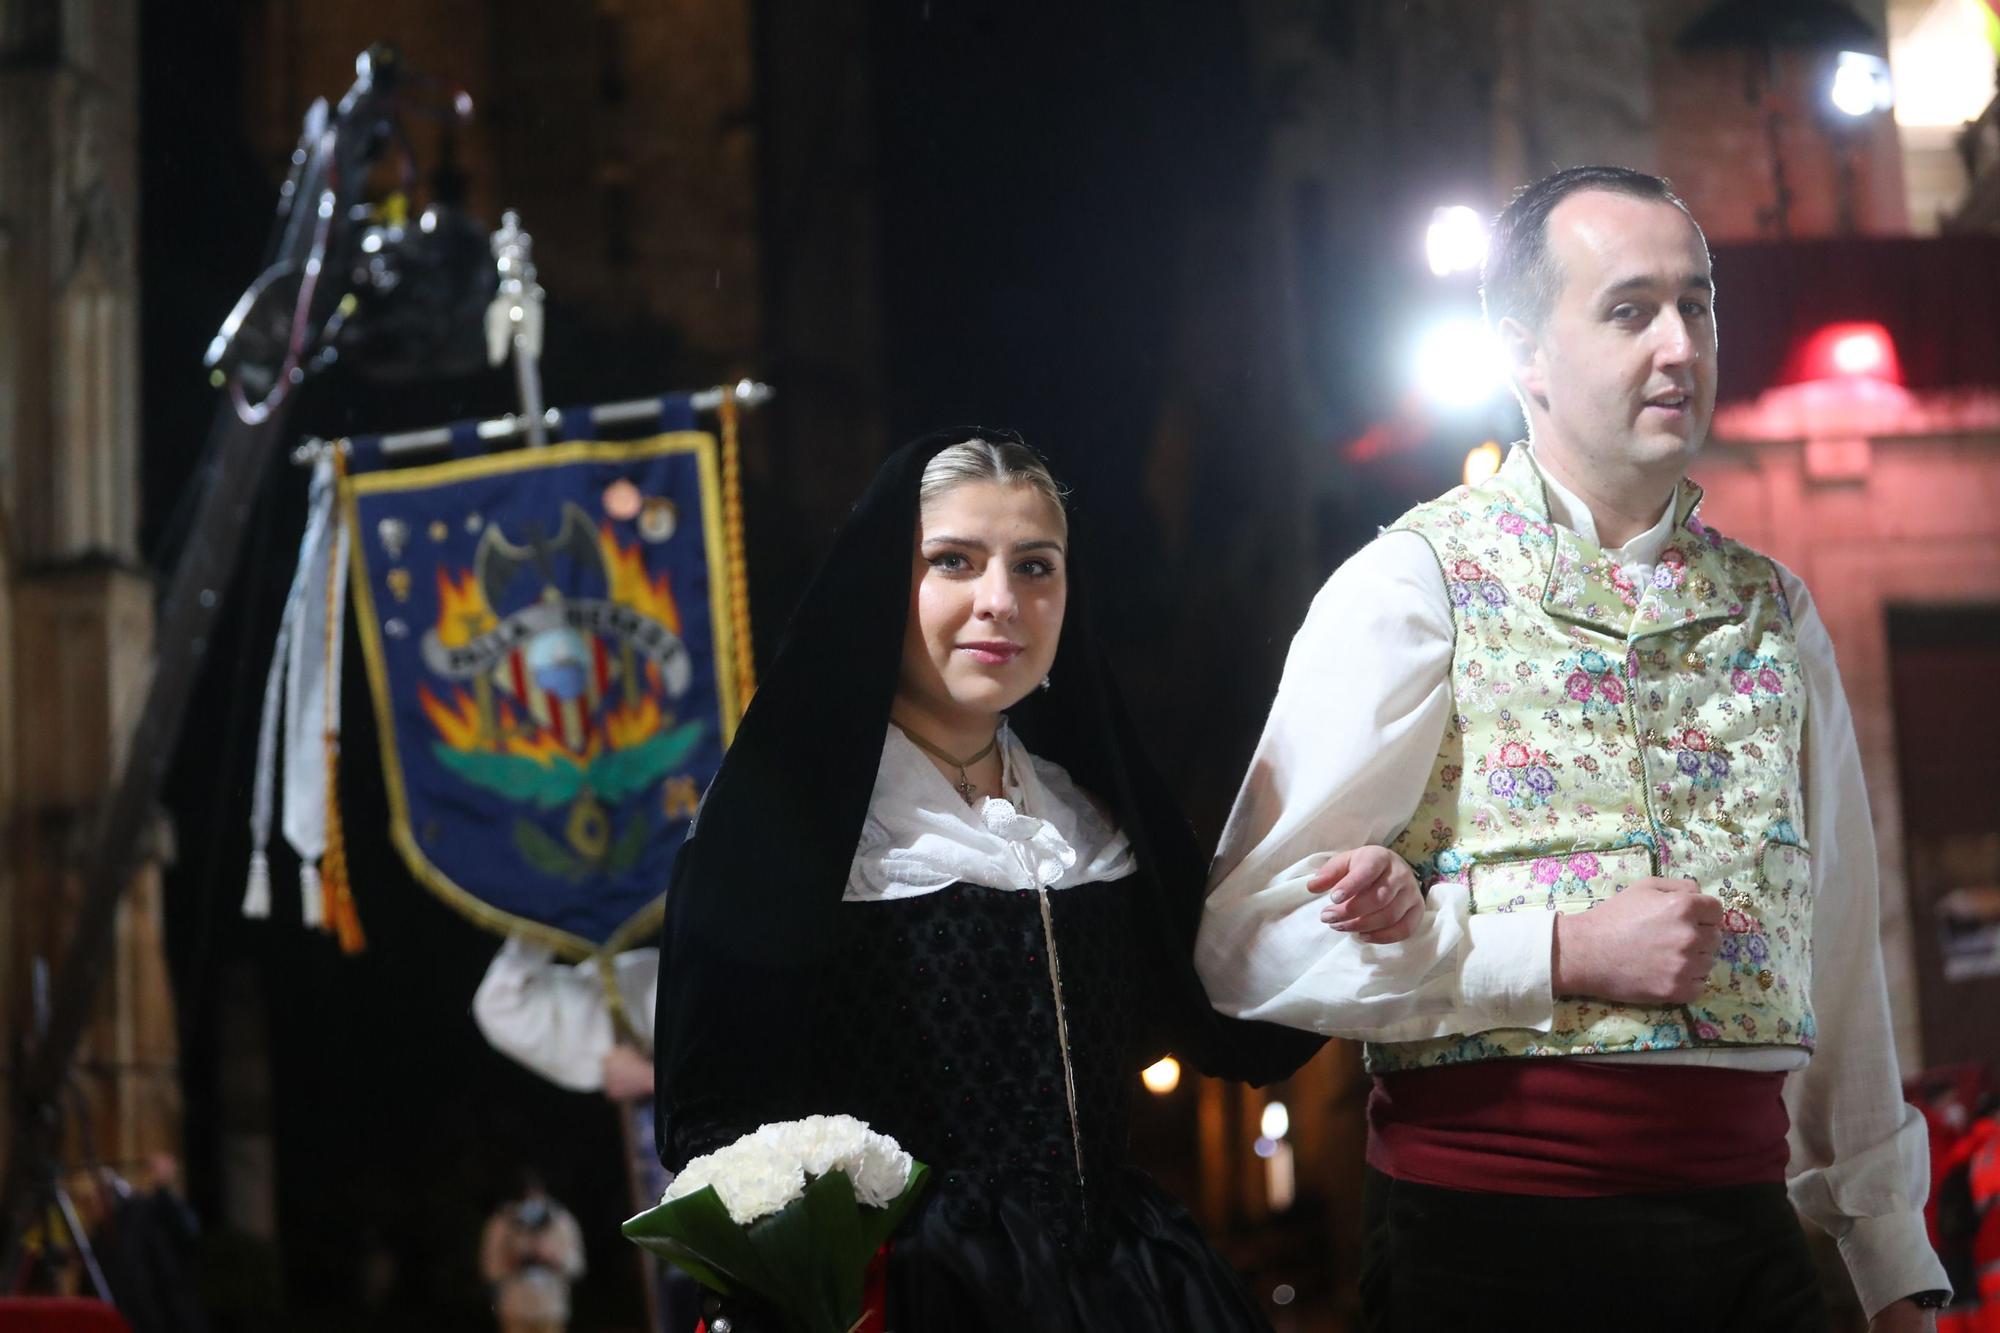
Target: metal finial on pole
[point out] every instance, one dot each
(514, 321)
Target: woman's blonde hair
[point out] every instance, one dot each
(1003, 462)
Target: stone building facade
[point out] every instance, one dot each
(76, 607)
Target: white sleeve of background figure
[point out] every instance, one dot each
(1344, 761)
(550, 1016)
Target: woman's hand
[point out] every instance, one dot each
(1372, 894)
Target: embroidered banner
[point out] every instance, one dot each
(553, 647)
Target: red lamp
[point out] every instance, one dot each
(1854, 350)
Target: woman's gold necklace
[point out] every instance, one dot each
(966, 788)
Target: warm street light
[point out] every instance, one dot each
(1280, 1168)
(1162, 1076)
(1481, 462)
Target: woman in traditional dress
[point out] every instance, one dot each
(937, 886)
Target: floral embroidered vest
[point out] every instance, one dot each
(1603, 732)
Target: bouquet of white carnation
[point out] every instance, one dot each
(790, 1214)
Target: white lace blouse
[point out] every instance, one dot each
(920, 836)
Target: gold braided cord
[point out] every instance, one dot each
(336, 893)
(1062, 1031)
(738, 572)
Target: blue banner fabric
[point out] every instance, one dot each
(549, 645)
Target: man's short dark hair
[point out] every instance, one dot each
(1521, 278)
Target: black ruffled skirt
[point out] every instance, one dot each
(942, 1028)
(972, 1262)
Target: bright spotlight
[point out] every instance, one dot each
(1861, 85)
(1455, 242)
(1460, 364)
(1276, 1121)
(1162, 1076)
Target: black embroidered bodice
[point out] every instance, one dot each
(940, 1027)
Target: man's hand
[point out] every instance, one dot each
(1374, 894)
(1651, 944)
(628, 1074)
(164, 1172)
(1903, 1316)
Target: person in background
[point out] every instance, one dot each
(564, 1022)
(530, 1253)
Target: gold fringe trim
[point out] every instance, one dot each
(738, 573)
(337, 894)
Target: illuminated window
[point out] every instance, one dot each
(1944, 64)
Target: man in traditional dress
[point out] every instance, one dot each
(1615, 745)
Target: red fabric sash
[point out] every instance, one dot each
(1578, 1128)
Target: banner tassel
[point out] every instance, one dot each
(312, 899)
(257, 891)
(340, 915)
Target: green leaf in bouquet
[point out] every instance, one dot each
(878, 1224)
(815, 1244)
(696, 1233)
(825, 1241)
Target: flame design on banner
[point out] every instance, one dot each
(554, 706)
